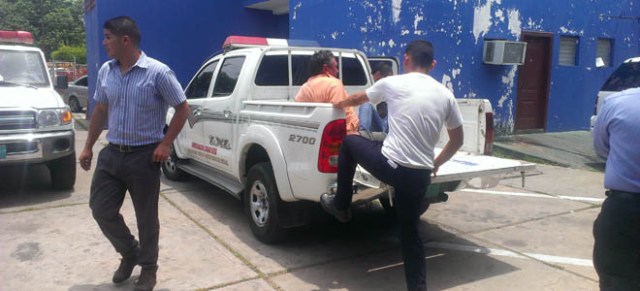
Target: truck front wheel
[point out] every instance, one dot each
(63, 172)
(261, 200)
(170, 167)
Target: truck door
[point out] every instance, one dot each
(193, 145)
(220, 111)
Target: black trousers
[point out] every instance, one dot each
(616, 252)
(116, 172)
(410, 186)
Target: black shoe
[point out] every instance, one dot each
(124, 270)
(127, 263)
(326, 201)
(147, 279)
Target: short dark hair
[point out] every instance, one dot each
(421, 53)
(384, 69)
(124, 25)
(317, 60)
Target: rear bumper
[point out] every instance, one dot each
(36, 148)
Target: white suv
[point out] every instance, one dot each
(35, 125)
(626, 76)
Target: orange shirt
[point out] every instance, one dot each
(324, 88)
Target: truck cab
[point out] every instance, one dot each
(36, 127)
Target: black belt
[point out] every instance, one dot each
(623, 195)
(129, 149)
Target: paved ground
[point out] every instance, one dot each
(507, 238)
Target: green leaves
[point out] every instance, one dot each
(53, 23)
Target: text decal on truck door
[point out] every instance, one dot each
(302, 139)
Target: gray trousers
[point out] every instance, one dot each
(116, 172)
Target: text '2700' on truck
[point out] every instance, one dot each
(247, 136)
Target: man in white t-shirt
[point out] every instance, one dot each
(419, 107)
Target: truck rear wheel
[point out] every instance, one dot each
(170, 167)
(63, 172)
(261, 201)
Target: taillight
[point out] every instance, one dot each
(595, 106)
(330, 143)
(488, 135)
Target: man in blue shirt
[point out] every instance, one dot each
(616, 138)
(134, 91)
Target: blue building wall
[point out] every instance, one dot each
(183, 33)
(458, 28)
(180, 33)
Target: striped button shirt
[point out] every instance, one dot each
(137, 100)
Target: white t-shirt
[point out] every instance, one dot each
(418, 108)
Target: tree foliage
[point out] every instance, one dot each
(53, 23)
(70, 53)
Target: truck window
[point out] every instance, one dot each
(23, 67)
(228, 76)
(625, 77)
(200, 84)
(353, 73)
(274, 70)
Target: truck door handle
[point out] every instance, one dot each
(226, 113)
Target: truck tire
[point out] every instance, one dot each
(63, 172)
(261, 200)
(74, 104)
(170, 167)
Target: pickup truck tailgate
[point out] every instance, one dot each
(462, 167)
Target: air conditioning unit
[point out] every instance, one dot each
(504, 52)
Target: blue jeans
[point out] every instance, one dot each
(616, 252)
(370, 120)
(410, 186)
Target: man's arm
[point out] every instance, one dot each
(161, 153)
(96, 125)
(456, 139)
(353, 100)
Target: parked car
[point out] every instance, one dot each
(76, 95)
(626, 76)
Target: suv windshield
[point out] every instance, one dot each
(625, 77)
(22, 67)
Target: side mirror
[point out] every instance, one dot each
(599, 62)
(62, 82)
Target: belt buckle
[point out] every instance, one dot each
(124, 148)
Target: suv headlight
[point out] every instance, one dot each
(54, 117)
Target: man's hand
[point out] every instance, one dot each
(85, 159)
(161, 153)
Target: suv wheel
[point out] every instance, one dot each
(74, 104)
(63, 172)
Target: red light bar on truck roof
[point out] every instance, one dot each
(7, 36)
(235, 42)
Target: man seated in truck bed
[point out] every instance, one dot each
(324, 87)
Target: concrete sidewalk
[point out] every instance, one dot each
(572, 149)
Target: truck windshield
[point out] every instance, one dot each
(22, 68)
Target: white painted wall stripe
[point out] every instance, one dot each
(518, 194)
(506, 253)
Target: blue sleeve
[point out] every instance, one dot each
(601, 132)
(100, 94)
(170, 89)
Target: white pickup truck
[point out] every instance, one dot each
(247, 136)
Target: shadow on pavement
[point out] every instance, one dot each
(327, 255)
(27, 186)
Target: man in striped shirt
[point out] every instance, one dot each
(134, 91)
